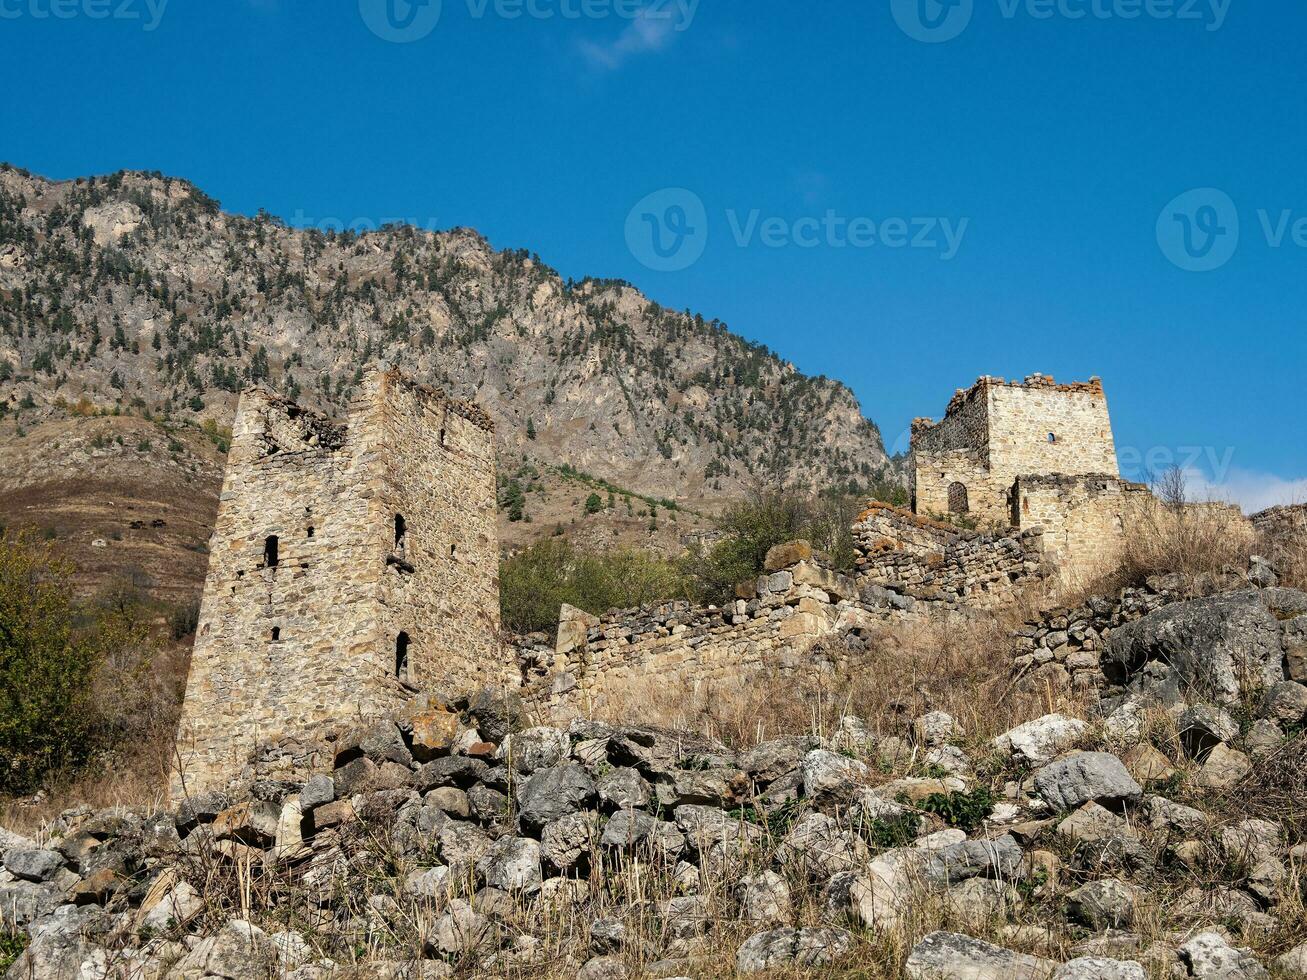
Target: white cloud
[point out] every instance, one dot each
(1249, 489)
(652, 29)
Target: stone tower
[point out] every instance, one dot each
(997, 431)
(349, 564)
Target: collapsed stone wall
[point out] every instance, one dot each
(936, 562)
(777, 621)
(601, 661)
(1061, 649)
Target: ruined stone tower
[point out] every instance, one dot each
(349, 563)
(997, 431)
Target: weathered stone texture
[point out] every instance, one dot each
(309, 631)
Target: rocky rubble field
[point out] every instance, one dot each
(1156, 830)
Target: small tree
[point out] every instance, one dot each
(45, 696)
(594, 503)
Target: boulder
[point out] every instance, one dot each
(1147, 765)
(817, 847)
(1286, 703)
(1039, 742)
(792, 947)
(511, 864)
(567, 840)
(787, 555)
(238, 950)
(551, 794)
(765, 899)
(1086, 776)
(318, 791)
(1224, 769)
(623, 788)
(36, 864)
(936, 728)
(1208, 955)
(535, 749)
(769, 761)
(829, 774)
(460, 931)
(1104, 904)
(1215, 646)
(634, 830)
(1100, 968)
(949, 956)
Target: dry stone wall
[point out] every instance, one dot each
(935, 562)
(314, 609)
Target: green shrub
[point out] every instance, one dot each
(752, 528)
(12, 945)
(536, 582)
(965, 811)
(71, 677)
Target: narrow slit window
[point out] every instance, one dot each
(276, 634)
(311, 531)
(401, 656)
(453, 551)
(401, 533)
(270, 551)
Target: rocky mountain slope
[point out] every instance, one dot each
(138, 291)
(133, 302)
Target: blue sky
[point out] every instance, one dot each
(895, 193)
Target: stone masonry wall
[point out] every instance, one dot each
(934, 562)
(602, 662)
(1084, 519)
(437, 471)
(613, 658)
(312, 637)
(997, 430)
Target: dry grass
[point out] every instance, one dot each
(1200, 541)
(960, 665)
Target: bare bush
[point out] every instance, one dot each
(1198, 540)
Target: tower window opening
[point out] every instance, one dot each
(276, 633)
(311, 531)
(270, 551)
(453, 551)
(401, 656)
(958, 499)
(1052, 437)
(401, 533)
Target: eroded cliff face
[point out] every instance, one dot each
(138, 292)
